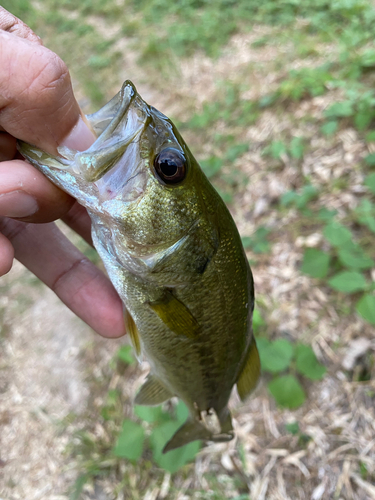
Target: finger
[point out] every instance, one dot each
(79, 220)
(76, 281)
(27, 194)
(6, 255)
(37, 103)
(10, 23)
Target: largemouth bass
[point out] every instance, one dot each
(174, 255)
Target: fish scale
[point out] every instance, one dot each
(174, 255)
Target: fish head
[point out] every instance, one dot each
(138, 176)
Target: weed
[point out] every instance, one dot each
(347, 262)
(287, 363)
(258, 243)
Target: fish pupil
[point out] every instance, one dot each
(170, 166)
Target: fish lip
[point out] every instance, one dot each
(125, 103)
(93, 163)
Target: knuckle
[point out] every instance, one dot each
(50, 72)
(11, 24)
(11, 228)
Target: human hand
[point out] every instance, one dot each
(37, 105)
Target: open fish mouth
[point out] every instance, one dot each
(113, 162)
(118, 124)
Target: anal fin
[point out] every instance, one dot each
(152, 393)
(250, 373)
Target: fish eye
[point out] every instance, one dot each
(170, 166)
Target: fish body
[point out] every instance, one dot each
(174, 255)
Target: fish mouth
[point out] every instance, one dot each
(115, 165)
(119, 124)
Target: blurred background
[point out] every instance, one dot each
(276, 100)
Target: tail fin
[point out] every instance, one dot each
(190, 431)
(193, 430)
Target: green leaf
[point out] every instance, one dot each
(258, 321)
(348, 281)
(366, 308)
(370, 159)
(363, 119)
(247, 241)
(288, 198)
(297, 148)
(326, 215)
(276, 356)
(355, 257)
(130, 441)
(365, 212)
(308, 193)
(329, 128)
(337, 234)
(78, 486)
(258, 241)
(287, 391)
(315, 263)
(340, 110)
(367, 59)
(175, 459)
(370, 137)
(126, 355)
(293, 428)
(150, 413)
(267, 100)
(370, 182)
(276, 149)
(182, 412)
(307, 364)
(368, 221)
(235, 151)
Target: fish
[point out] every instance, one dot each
(173, 253)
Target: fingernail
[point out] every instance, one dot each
(17, 204)
(80, 138)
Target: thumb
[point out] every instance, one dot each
(36, 97)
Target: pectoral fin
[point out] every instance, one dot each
(176, 316)
(250, 372)
(132, 330)
(200, 244)
(152, 393)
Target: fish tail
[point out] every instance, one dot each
(226, 429)
(193, 430)
(190, 431)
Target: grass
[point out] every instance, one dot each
(320, 99)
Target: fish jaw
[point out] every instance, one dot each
(111, 167)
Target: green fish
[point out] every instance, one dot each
(174, 255)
